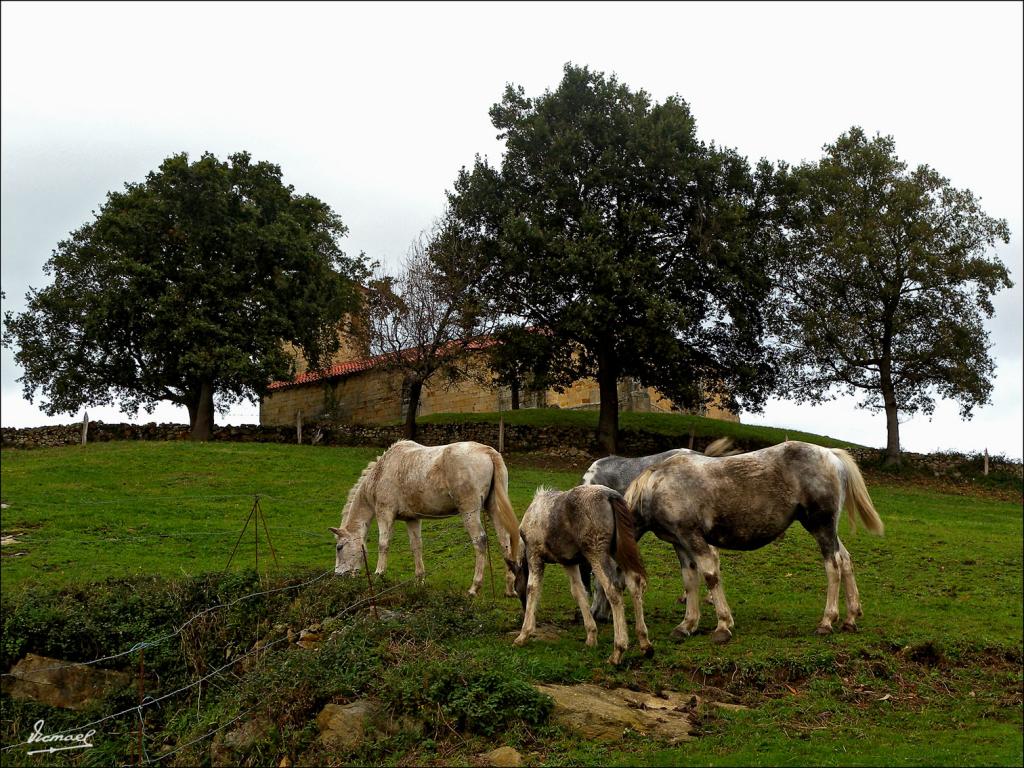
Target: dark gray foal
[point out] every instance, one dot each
(588, 524)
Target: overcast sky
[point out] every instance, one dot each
(374, 107)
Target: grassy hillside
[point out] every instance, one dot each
(673, 424)
(124, 541)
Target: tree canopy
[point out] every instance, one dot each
(887, 279)
(613, 229)
(183, 288)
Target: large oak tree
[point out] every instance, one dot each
(610, 227)
(183, 288)
(887, 279)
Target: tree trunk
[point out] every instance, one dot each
(892, 424)
(415, 387)
(200, 414)
(608, 383)
(515, 395)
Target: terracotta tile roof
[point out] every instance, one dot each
(353, 366)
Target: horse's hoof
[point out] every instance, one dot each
(823, 630)
(616, 658)
(679, 633)
(648, 651)
(520, 641)
(592, 641)
(721, 636)
(848, 627)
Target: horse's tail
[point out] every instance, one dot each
(637, 489)
(858, 502)
(721, 447)
(499, 505)
(627, 555)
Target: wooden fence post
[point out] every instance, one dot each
(986, 462)
(298, 426)
(85, 426)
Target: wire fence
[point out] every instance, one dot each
(143, 644)
(439, 548)
(150, 701)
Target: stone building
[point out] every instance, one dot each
(358, 389)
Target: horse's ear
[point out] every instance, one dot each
(335, 531)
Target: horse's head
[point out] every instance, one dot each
(350, 551)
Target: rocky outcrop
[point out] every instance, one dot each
(227, 747)
(60, 683)
(343, 727)
(604, 714)
(502, 757)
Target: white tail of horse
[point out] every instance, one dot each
(499, 505)
(858, 502)
(721, 447)
(635, 492)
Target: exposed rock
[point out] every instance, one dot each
(61, 683)
(248, 734)
(309, 638)
(225, 748)
(605, 714)
(502, 757)
(343, 726)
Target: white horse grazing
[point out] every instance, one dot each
(588, 524)
(697, 503)
(410, 482)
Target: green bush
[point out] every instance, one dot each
(460, 694)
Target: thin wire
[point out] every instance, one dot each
(149, 643)
(209, 675)
(203, 737)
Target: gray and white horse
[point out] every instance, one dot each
(743, 502)
(410, 482)
(618, 472)
(588, 524)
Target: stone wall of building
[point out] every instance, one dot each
(376, 397)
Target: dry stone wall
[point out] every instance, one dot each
(568, 442)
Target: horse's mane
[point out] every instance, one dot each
(356, 489)
(543, 490)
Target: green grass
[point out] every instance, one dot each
(672, 424)
(933, 678)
